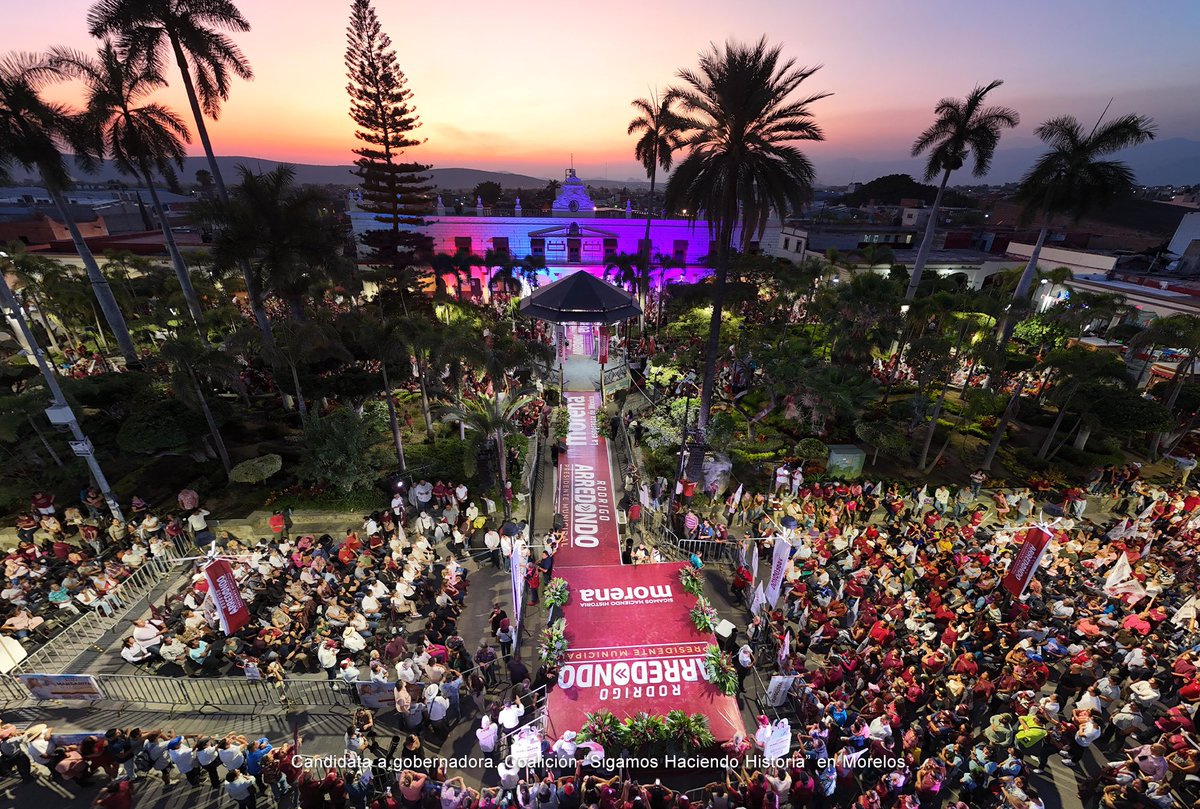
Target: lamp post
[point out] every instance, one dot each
(59, 411)
(689, 389)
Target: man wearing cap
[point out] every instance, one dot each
(487, 734)
(184, 758)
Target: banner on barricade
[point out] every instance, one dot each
(777, 690)
(375, 695)
(63, 686)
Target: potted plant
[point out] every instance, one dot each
(691, 582)
(704, 616)
(554, 643)
(603, 728)
(688, 733)
(718, 668)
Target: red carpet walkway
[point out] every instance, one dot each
(632, 643)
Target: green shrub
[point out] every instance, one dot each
(159, 427)
(256, 470)
(812, 449)
(442, 459)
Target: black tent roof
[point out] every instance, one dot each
(580, 298)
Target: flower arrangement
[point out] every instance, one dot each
(554, 643)
(689, 733)
(704, 616)
(601, 727)
(718, 668)
(557, 592)
(643, 731)
(691, 582)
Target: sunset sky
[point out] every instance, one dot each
(522, 84)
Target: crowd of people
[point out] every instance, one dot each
(909, 652)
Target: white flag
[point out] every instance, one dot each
(737, 498)
(742, 547)
(753, 562)
(1119, 573)
(785, 648)
(1186, 613)
(759, 600)
(779, 560)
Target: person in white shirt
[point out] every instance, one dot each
(132, 653)
(1145, 691)
(510, 715)
(352, 640)
(148, 634)
(327, 658)
(487, 734)
(38, 741)
(241, 788)
(565, 747)
(184, 759)
(348, 672)
(232, 753)
(438, 706)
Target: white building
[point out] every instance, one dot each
(575, 234)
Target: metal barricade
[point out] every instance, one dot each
(11, 689)
(61, 650)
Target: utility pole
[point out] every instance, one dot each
(59, 411)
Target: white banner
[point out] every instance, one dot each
(753, 564)
(779, 560)
(777, 690)
(785, 648)
(780, 742)
(759, 600)
(1186, 613)
(517, 572)
(62, 686)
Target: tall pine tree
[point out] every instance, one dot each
(396, 191)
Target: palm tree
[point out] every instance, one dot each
(34, 133)
(1071, 179)
(1073, 368)
(137, 135)
(192, 31)
(31, 270)
(192, 364)
(655, 149)
(494, 419)
(284, 234)
(964, 129)
(459, 265)
(741, 122)
(624, 269)
(381, 338)
(873, 255)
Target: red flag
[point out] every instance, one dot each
(223, 587)
(1025, 562)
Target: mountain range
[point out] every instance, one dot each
(1171, 161)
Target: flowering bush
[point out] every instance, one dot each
(557, 592)
(643, 731)
(689, 579)
(554, 643)
(689, 733)
(601, 727)
(719, 670)
(704, 616)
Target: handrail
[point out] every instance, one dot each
(59, 652)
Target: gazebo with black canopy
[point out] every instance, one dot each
(581, 298)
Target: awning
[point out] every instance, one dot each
(580, 298)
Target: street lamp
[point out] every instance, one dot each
(690, 388)
(59, 412)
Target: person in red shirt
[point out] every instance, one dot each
(117, 795)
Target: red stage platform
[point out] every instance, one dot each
(632, 645)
